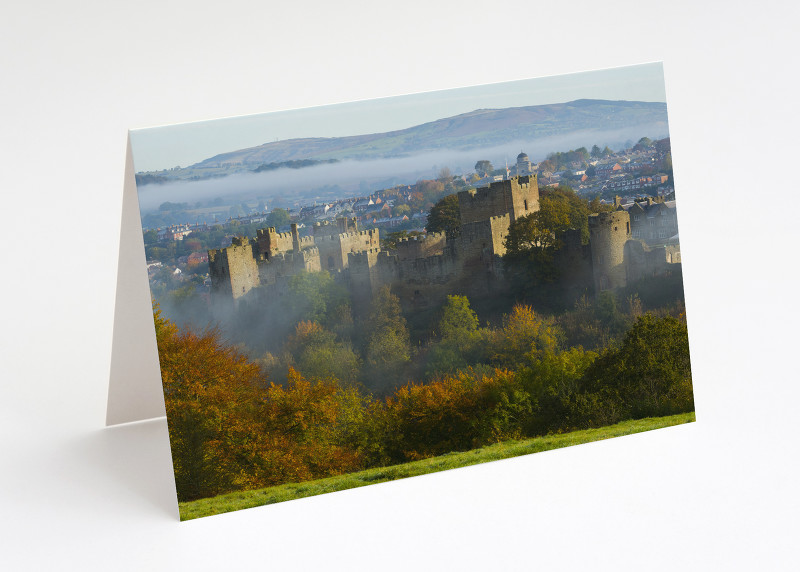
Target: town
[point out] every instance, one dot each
(635, 181)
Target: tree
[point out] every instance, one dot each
(150, 237)
(388, 344)
(318, 354)
(444, 175)
(314, 296)
(208, 390)
(524, 337)
(643, 143)
(445, 216)
(278, 218)
(401, 210)
(533, 242)
(648, 375)
(459, 338)
(483, 167)
(559, 210)
(596, 152)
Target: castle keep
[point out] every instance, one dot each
(423, 270)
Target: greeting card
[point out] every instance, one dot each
(339, 296)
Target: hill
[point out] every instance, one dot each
(482, 128)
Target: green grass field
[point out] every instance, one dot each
(507, 449)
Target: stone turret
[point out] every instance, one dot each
(608, 234)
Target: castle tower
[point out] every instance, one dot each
(608, 233)
(516, 197)
(233, 270)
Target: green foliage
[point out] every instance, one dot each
(315, 296)
(461, 344)
(150, 237)
(445, 216)
(388, 345)
(484, 167)
(318, 354)
(643, 143)
(293, 164)
(458, 319)
(533, 241)
(559, 210)
(648, 375)
(560, 161)
(600, 322)
(278, 218)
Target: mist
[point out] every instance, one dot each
(360, 177)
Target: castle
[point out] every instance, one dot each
(423, 270)
(636, 240)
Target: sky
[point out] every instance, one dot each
(164, 147)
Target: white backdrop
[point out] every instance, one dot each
(717, 494)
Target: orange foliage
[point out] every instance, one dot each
(229, 430)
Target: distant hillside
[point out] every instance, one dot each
(473, 130)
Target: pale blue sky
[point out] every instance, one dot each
(182, 145)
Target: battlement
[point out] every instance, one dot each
(600, 221)
(421, 246)
(310, 252)
(421, 237)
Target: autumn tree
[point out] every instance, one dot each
(209, 392)
(525, 336)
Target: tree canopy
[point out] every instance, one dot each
(559, 210)
(445, 216)
(484, 167)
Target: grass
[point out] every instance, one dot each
(507, 449)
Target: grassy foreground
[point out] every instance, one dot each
(248, 499)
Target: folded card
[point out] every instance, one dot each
(326, 298)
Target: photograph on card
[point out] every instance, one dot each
(355, 293)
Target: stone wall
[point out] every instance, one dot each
(484, 239)
(422, 246)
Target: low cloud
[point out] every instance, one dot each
(356, 175)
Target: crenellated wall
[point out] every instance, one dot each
(421, 246)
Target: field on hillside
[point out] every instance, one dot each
(504, 450)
